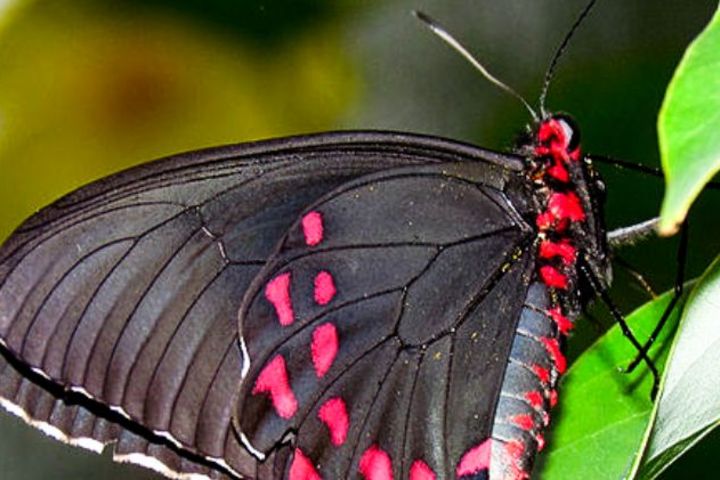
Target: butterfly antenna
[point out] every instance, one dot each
(438, 30)
(559, 52)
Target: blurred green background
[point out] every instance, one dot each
(89, 87)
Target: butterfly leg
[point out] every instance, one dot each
(677, 294)
(620, 319)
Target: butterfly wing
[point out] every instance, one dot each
(119, 303)
(376, 337)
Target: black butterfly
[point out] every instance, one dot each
(370, 305)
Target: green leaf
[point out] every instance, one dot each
(689, 404)
(688, 126)
(603, 412)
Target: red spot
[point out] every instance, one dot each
(540, 442)
(324, 348)
(575, 154)
(551, 130)
(312, 224)
(549, 249)
(535, 399)
(273, 380)
(302, 468)
(558, 171)
(333, 414)
(566, 206)
(375, 464)
(542, 373)
(324, 288)
(475, 460)
(553, 348)
(515, 450)
(546, 417)
(525, 422)
(553, 398)
(563, 323)
(421, 471)
(545, 221)
(277, 292)
(541, 151)
(552, 277)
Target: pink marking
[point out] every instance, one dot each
(575, 154)
(563, 323)
(545, 418)
(553, 348)
(302, 468)
(540, 442)
(421, 471)
(375, 464)
(324, 348)
(277, 292)
(553, 398)
(333, 414)
(312, 224)
(524, 422)
(543, 374)
(545, 221)
(475, 460)
(541, 151)
(515, 450)
(273, 380)
(566, 206)
(535, 399)
(551, 130)
(324, 288)
(558, 171)
(549, 249)
(552, 277)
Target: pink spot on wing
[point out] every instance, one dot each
(545, 418)
(524, 422)
(553, 348)
(375, 464)
(277, 292)
(535, 399)
(333, 413)
(563, 323)
(312, 224)
(324, 288)
(543, 374)
(553, 398)
(475, 460)
(421, 471)
(324, 348)
(514, 449)
(302, 468)
(540, 442)
(273, 380)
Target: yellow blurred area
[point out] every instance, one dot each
(88, 90)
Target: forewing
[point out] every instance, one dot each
(379, 332)
(119, 303)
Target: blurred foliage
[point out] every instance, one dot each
(86, 91)
(90, 87)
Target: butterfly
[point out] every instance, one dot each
(344, 305)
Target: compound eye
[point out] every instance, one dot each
(571, 129)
